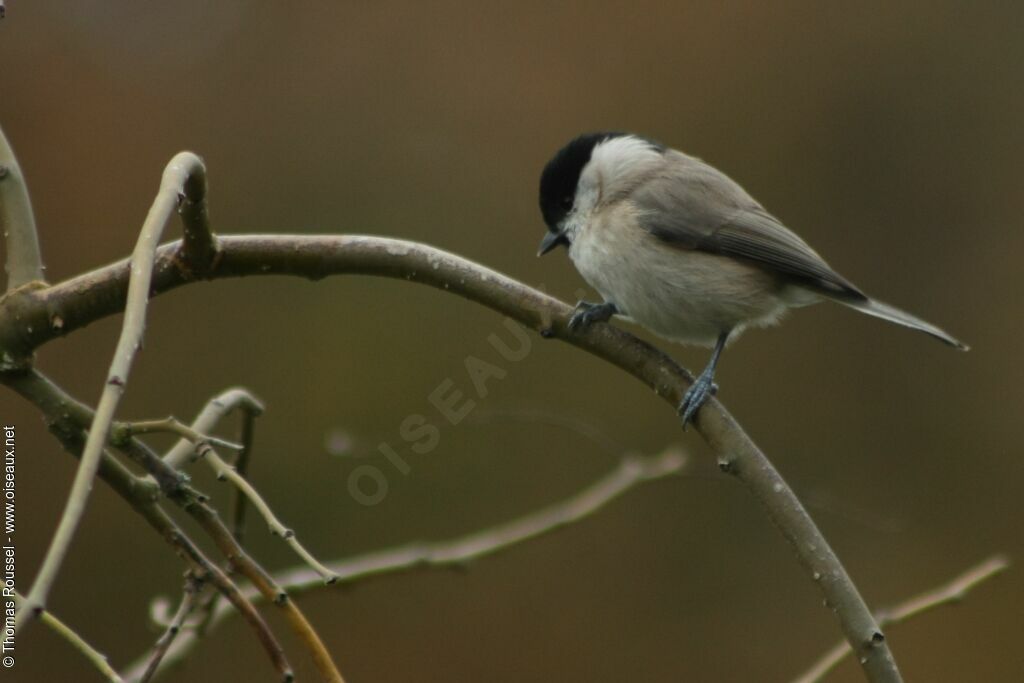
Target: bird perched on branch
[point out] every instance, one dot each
(683, 250)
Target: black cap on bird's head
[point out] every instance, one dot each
(558, 185)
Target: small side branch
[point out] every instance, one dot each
(953, 592)
(199, 245)
(24, 259)
(66, 418)
(268, 589)
(95, 657)
(207, 518)
(125, 430)
(211, 414)
(630, 473)
(185, 607)
(225, 471)
(242, 466)
(203, 447)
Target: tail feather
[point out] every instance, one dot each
(895, 315)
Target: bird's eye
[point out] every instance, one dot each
(567, 202)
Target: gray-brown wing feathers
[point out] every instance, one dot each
(693, 206)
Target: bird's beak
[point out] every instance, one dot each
(550, 241)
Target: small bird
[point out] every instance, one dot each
(680, 248)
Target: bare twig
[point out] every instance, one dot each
(95, 657)
(249, 415)
(268, 589)
(175, 177)
(174, 626)
(212, 413)
(204, 450)
(953, 592)
(199, 248)
(241, 603)
(225, 471)
(123, 430)
(630, 473)
(24, 259)
(215, 410)
(65, 418)
(210, 522)
(94, 295)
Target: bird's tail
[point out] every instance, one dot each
(895, 315)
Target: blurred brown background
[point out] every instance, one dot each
(888, 135)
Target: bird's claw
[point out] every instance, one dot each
(699, 392)
(587, 313)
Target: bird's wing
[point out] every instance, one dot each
(690, 205)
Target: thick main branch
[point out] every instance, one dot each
(35, 317)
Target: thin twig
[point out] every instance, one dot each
(95, 657)
(24, 259)
(212, 413)
(94, 295)
(188, 602)
(267, 587)
(953, 592)
(630, 473)
(249, 414)
(222, 537)
(225, 471)
(65, 418)
(177, 173)
(244, 606)
(208, 519)
(123, 430)
(204, 450)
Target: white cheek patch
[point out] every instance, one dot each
(619, 161)
(588, 194)
(613, 165)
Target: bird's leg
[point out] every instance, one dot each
(587, 313)
(704, 386)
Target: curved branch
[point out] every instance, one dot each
(24, 260)
(172, 186)
(94, 295)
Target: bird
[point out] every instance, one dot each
(675, 245)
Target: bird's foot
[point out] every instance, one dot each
(587, 313)
(700, 391)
